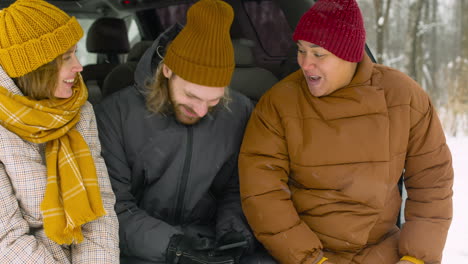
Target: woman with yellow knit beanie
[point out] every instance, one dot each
(56, 202)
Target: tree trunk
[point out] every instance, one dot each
(412, 42)
(382, 9)
(433, 62)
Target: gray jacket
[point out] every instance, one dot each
(170, 178)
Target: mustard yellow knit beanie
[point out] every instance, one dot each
(33, 33)
(202, 52)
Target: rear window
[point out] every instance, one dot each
(266, 16)
(172, 14)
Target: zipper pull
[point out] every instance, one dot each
(178, 255)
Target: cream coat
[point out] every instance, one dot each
(22, 187)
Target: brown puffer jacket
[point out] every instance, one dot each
(318, 176)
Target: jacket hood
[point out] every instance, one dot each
(150, 60)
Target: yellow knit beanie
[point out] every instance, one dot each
(33, 33)
(202, 52)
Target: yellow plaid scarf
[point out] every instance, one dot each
(72, 196)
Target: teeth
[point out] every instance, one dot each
(314, 78)
(69, 81)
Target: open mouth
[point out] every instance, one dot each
(314, 77)
(69, 81)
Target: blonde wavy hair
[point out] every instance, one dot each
(158, 99)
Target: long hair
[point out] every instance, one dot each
(42, 82)
(158, 99)
(157, 93)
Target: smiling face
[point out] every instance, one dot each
(67, 74)
(191, 102)
(323, 71)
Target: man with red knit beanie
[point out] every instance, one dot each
(325, 148)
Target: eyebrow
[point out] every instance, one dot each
(310, 46)
(71, 50)
(198, 98)
(192, 95)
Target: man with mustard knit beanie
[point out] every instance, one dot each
(171, 143)
(56, 200)
(325, 148)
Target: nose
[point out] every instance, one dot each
(77, 67)
(201, 109)
(306, 62)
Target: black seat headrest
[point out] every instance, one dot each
(108, 35)
(243, 54)
(249, 79)
(138, 50)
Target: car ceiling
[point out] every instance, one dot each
(122, 8)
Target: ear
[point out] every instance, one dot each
(166, 71)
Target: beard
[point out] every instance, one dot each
(181, 116)
(184, 113)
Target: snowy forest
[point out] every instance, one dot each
(428, 40)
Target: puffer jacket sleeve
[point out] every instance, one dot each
(101, 240)
(428, 180)
(141, 234)
(265, 195)
(16, 244)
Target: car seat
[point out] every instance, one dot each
(249, 79)
(108, 38)
(123, 75)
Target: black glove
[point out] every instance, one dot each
(233, 244)
(186, 250)
(226, 228)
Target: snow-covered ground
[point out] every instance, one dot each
(456, 249)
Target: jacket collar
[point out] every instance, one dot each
(7, 82)
(359, 97)
(363, 71)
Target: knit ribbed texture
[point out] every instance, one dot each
(335, 25)
(202, 52)
(34, 33)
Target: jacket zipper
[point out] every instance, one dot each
(184, 179)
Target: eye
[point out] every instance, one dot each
(69, 55)
(301, 51)
(319, 55)
(214, 102)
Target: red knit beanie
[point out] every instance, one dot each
(335, 25)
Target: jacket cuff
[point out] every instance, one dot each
(412, 259)
(322, 260)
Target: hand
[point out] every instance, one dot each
(185, 250)
(236, 231)
(233, 244)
